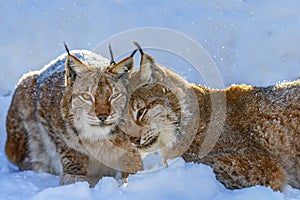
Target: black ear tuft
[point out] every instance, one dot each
(138, 47)
(67, 49)
(112, 61)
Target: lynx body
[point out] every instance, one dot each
(63, 119)
(254, 135)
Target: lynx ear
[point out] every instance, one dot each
(149, 70)
(73, 68)
(124, 67)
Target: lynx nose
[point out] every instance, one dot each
(102, 117)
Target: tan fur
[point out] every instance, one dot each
(258, 143)
(165, 115)
(64, 120)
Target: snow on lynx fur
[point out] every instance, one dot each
(63, 119)
(258, 144)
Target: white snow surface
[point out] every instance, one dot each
(254, 42)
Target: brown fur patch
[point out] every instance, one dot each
(258, 143)
(53, 125)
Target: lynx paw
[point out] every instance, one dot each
(71, 178)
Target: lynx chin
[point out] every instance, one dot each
(63, 119)
(258, 144)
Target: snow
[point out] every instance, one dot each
(254, 42)
(179, 181)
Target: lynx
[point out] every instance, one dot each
(154, 109)
(258, 143)
(63, 119)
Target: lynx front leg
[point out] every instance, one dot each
(74, 166)
(240, 171)
(131, 163)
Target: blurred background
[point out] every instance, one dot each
(254, 42)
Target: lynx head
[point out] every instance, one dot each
(154, 112)
(95, 98)
(160, 106)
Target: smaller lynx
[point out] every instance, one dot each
(63, 120)
(259, 140)
(154, 110)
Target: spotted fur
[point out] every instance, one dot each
(63, 120)
(253, 132)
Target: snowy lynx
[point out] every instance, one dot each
(63, 119)
(258, 143)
